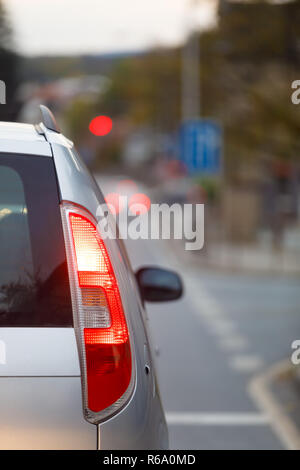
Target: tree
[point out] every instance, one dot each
(146, 90)
(247, 66)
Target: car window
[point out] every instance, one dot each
(34, 287)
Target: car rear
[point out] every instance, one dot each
(75, 361)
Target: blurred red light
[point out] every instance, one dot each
(127, 187)
(114, 200)
(100, 125)
(139, 204)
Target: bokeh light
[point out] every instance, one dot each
(127, 187)
(101, 125)
(139, 204)
(115, 201)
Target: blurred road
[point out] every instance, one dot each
(226, 330)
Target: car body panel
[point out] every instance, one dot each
(32, 357)
(15, 131)
(23, 139)
(40, 392)
(43, 413)
(27, 148)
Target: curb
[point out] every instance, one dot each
(260, 391)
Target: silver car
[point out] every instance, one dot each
(75, 362)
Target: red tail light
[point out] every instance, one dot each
(99, 318)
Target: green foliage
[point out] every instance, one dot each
(77, 118)
(146, 90)
(247, 66)
(211, 187)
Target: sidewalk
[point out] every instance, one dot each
(253, 258)
(243, 259)
(259, 257)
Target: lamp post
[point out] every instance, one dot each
(190, 76)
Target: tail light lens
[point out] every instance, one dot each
(99, 319)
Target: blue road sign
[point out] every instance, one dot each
(201, 143)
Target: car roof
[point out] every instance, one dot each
(24, 139)
(16, 130)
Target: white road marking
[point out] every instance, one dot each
(222, 327)
(204, 304)
(218, 419)
(246, 363)
(234, 343)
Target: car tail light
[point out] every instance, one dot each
(99, 319)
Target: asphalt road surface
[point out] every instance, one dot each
(227, 329)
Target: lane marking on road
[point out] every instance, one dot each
(234, 343)
(217, 419)
(213, 314)
(246, 363)
(260, 391)
(223, 328)
(204, 303)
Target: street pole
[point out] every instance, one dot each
(190, 70)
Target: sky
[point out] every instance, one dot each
(103, 26)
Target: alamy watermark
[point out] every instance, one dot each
(159, 221)
(295, 97)
(2, 92)
(295, 357)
